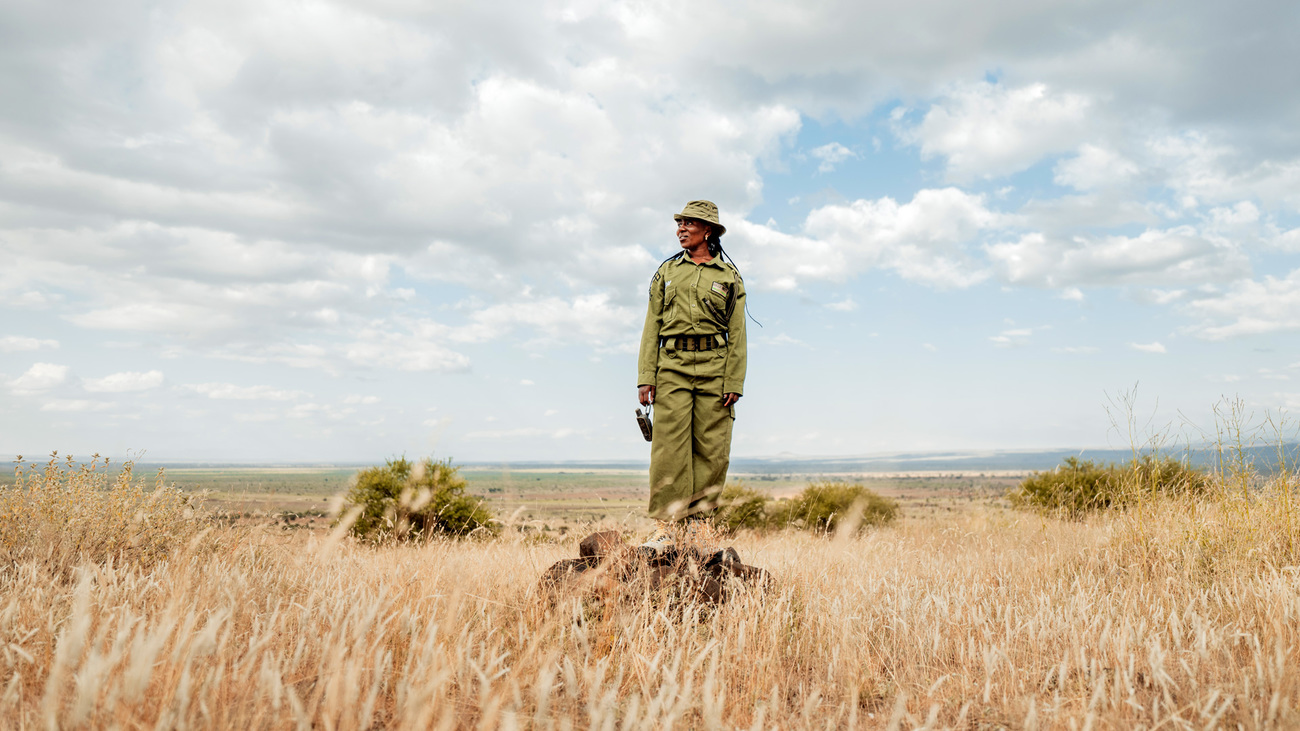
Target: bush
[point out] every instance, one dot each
(1079, 487)
(406, 500)
(741, 506)
(67, 514)
(824, 506)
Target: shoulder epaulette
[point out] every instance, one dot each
(660, 268)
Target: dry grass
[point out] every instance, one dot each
(66, 513)
(1174, 614)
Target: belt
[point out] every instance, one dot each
(695, 342)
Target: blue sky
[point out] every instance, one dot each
(333, 231)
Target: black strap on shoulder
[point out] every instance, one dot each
(727, 258)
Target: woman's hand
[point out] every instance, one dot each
(729, 399)
(646, 394)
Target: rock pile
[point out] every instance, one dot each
(610, 568)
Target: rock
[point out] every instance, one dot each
(599, 546)
(562, 571)
(609, 568)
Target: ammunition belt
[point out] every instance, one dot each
(695, 342)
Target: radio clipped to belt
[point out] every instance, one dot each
(643, 421)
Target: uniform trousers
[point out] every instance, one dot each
(691, 448)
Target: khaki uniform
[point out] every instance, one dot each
(692, 431)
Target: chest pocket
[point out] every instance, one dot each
(716, 300)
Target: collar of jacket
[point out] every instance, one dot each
(714, 262)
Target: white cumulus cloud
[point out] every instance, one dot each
(830, 155)
(1095, 167)
(987, 130)
(74, 405)
(419, 348)
(1179, 255)
(1248, 307)
(230, 391)
(17, 343)
(927, 239)
(40, 377)
(122, 382)
(1148, 347)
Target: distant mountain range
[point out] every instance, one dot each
(1265, 459)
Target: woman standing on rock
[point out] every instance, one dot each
(692, 367)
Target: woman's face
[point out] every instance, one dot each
(692, 233)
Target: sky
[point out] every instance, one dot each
(338, 231)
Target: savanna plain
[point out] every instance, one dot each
(131, 603)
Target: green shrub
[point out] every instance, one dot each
(1079, 487)
(406, 500)
(741, 506)
(824, 506)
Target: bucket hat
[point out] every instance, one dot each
(704, 211)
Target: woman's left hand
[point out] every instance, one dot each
(729, 399)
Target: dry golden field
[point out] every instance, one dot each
(120, 609)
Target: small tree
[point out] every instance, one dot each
(824, 506)
(741, 506)
(1079, 487)
(406, 500)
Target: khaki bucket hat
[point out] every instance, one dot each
(704, 211)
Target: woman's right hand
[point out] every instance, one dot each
(646, 394)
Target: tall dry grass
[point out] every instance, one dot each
(65, 513)
(1173, 614)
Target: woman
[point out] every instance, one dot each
(692, 367)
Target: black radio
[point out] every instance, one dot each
(643, 421)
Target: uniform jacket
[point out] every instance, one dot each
(695, 299)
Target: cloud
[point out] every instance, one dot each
(17, 343)
(419, 348)
(778, 339)
(1095, 167)
(74, 405)
(123, 382)
(525, 432)
(592, 318)
(1013, 338)
(40, 377)
(845, 305)
(988, 130)
(1179, 255)
(318, 411)
(1248, 307)
(924, 240)
(230, 391)
(1148, 347)
(227, 226)
(363, 400)
(1202, 168)
(830, 155)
